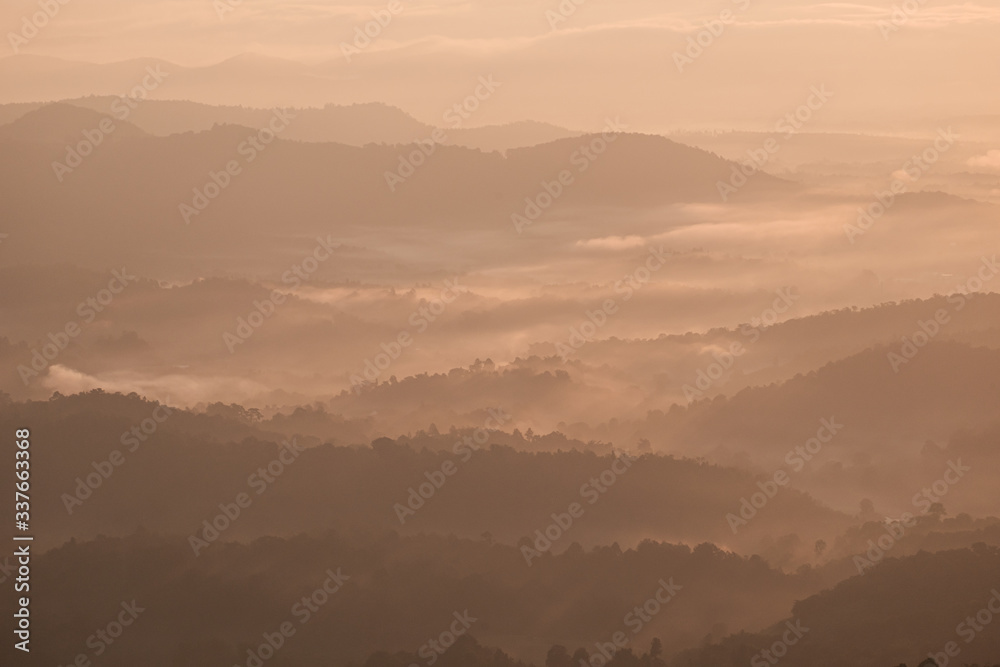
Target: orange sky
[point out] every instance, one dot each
(572, 68)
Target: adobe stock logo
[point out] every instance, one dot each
(88, 309)
(437, 477)
(582, 158)
(926, 330)
(562, 13)
(924, 501)
(713, 29)
(32, 25)
(592, 490)
(779, 649)
(122, 108)
(365, 35)
(635, 620)
(796, 458)
(409, 163)
(249, 150)
(784, 129)
(899, 17)
(908, 174)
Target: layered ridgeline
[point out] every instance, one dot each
(349, 595)
(178, 339)
(353, 125)
(391, 601)
(112, 462)
(220, 191)
(884, 618)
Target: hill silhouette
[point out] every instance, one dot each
(64, 124)
(882, 618)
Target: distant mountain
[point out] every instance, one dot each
(32, 78)
(500, 489)
(946, 386)
(354, 125)
(777, 353)
(898, 431)
(259, 81)
(130, 198)
(830, 148)
(65, 124)
(511, 135)
(11, 112)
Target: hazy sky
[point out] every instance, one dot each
(198, 32)
(886, 65)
